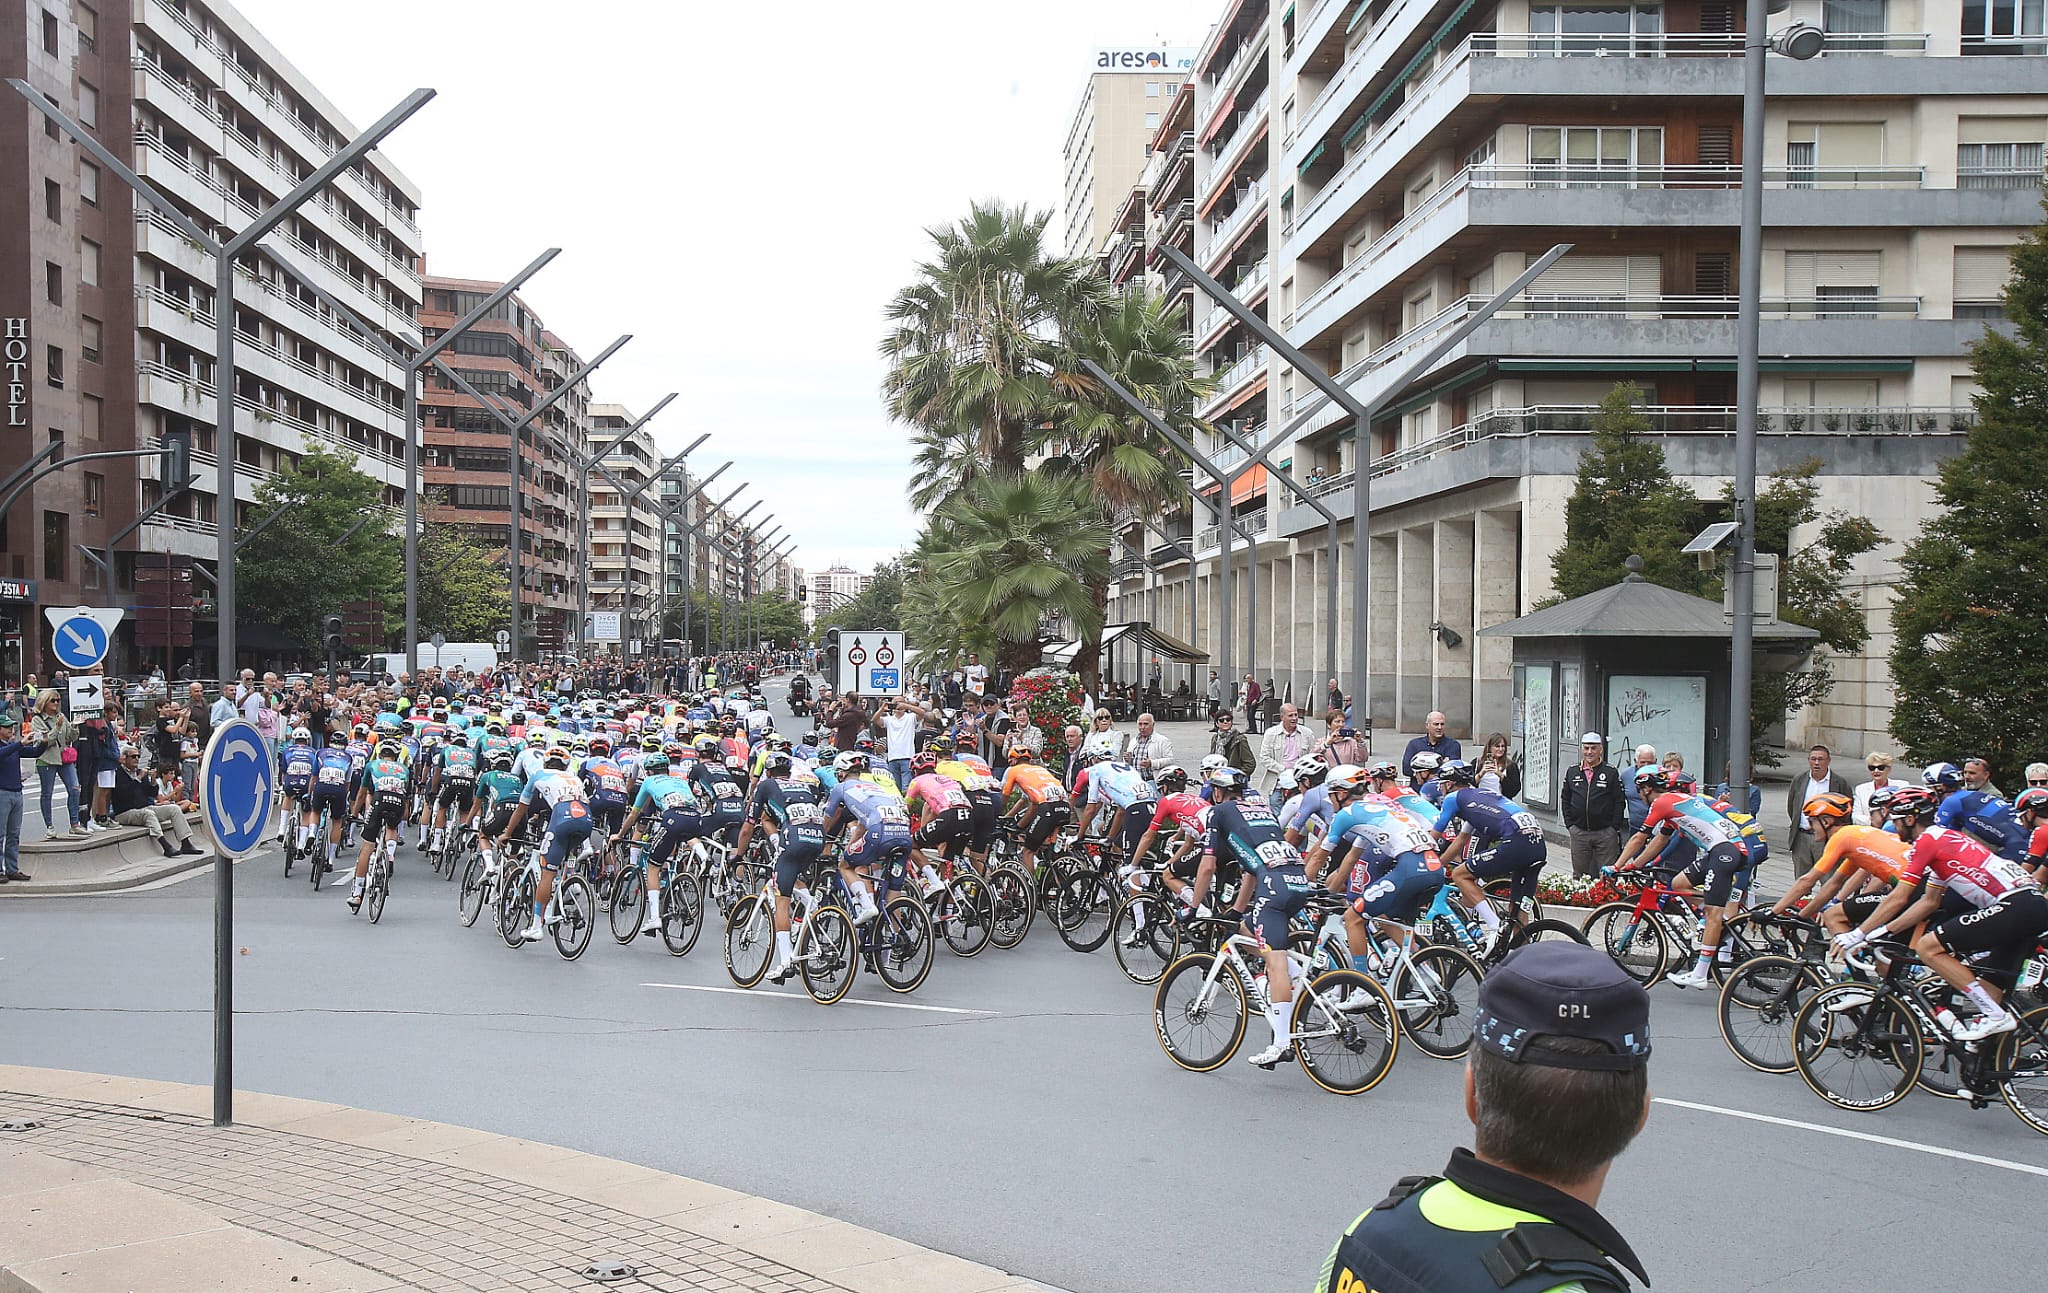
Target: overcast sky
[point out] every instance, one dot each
(740, 186)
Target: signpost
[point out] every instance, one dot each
(871, 662)
(88, 693)
(236, 784)
(504, 640)
(602, 626)
(79, 637)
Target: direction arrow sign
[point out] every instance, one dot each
(87, 693)
(885, 648)
(236, 783)
(79, 637)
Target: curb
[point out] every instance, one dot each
(833, 1252)
(127, 876)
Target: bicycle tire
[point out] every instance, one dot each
(627, 904)
(469, 898)
(2024, 1054)
(969, 918)
(1449, 980)
(515, 900)
(1941, 1069)
(1092, 908)
(1759, 1002)
(1011, 893)
(578, 904)
(1548, 930)
(1177, 1002)
(1862, 1059)
(290, 853)
(682, 914)
(1148, 919)
(825, 958)
(1325, 1035)
(749, 943)
(903, 960)
(374, 893)
(1641, 954)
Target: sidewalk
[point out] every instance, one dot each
(124, 1184)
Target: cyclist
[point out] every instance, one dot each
(984, 796)
(1387, 780)
(1858, 865)
(453, 784)
(1722, 858)
(1496, 839)
(295, 766)
(569, 823)
(383, 797)
(333, 769)
(1037, 803)
(1120, 785)
(675, 800)
(941, 818)
(1181, 814)
(1243, 829)
(498, 790)
(1388, 865)
(879, 833)
(605, 786)
(2009, 917)
(1422, 776)
(2032, 810)
(1984, 815)
(788, 809)
(719, 791)
(1307, 815)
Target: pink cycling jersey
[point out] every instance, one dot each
(937, 793)
(1946, 857)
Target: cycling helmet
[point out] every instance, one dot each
(360, 732)
(1383, 770)
(600, 744)
(2031, 800)
(850, 763)
(1881, 799)
(337, 738)
(706, 744)
(940, 745)
(1651, 778)
(866, 744)
(300, 736)
(1227, 778)
(1089, 758)
(1828, 807)
(438, 714)
(655, 763)
(499, 761)
(580, 746)
(1211, 763)
(390, 750)
(1456, 772)
(556, 759)
(1172, 777)
(537, 738)
(1947, 776)
(1307, 768)
(676, 751)
(1352, 779)
(1910, 803)
(651, 744)
(1426, 761)
(1685, 782)
(1285, 782)
(920, 763)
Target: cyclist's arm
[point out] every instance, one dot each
(1899, 907)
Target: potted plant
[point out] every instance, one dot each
(1795, 422)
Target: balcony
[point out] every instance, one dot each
(1233, 380)
(1251, 207)
(1251, 125)
(1253, 49)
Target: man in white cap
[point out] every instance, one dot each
(1594, 807)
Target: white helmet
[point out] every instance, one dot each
(301, 735)
(1425, 761)
(1210, 763)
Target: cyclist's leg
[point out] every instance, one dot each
(2006, 930)
(1719, 866)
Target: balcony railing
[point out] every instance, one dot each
(1165, 159)
(2000, 177)
(1250, 117)
(1249, 364)
(1250, 204)
(1254, 46)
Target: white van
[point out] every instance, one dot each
(474, 657)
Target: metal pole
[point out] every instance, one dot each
(1263, 454)
(1748, 325)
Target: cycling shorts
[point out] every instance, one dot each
(460, 794)
(796, 857)
(1720, 871)
(387, 812)
(331, 798)
(569, 823)
(1047, 820)
(1282, 891)
(1861, 907)
(2008, 930)
(500, 818)
(984, 809)
(1136, 819)
(295, 790)
(949, 829)
(611, 816)
(1508, 857)
(676, 826)
(1402, 891)
(878, 847)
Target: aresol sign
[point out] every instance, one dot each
(14, 359)
(1181, 61)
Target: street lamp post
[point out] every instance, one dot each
(668, 518)
(585, 465)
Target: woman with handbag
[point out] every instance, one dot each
(59, 759)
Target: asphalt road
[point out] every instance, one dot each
(1023, 1115)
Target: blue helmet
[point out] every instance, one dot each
(1945, 775)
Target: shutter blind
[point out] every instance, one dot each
(2001, 130)
(1717, 145)
(1981, 272)
(1585, 276)
(1844, 143)
(1806, 271)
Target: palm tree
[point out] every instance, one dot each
(974, 345)
(1006, 551)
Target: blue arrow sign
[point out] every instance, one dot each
(236, 782)
(79, 642)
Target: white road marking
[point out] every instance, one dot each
(1894, 1142)
(800, 996)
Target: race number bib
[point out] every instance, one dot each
(333, 775)
(1276, 853)
(892, 814)
(805, 815)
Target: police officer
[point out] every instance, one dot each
(1556, 1088)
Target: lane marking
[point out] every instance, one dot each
(1892, 1141)
(802, 996)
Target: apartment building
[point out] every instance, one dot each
(1368, 174)
(1122, 103)
(112, 309)
(616, 526)
(832, 588)
(466, 451)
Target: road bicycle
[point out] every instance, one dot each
(1661, 928)
(750, 931)
(1145, 930)
(1205, 1000)
(896, 944)
(1762, 996)
(682, 904)
(377, 885)
(1434, 986)
(316, 864)
(1081, 893)
(571, 914)
(1450, 922)
(1863, 1047)
(959, 904)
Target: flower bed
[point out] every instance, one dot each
(1563, 889)
(1053, 699)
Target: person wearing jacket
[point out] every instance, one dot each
(1594, 807)
(1283, 743)
(1233, 745)
(12, 752)
(137, 801)
(54, 728)
(99, 753)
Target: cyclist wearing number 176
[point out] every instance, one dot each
(1244, 829)
(1496, 839)
(561, 797)
(883, 826)
(1386, 857)
(1723, 859)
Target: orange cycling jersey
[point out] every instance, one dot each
(1865, 848)
(1034, 783)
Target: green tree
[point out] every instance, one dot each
(1968, 621)
(878, 606)
(301, 569)
(464, 590)
(1625, 503)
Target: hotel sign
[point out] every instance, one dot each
(14, 359)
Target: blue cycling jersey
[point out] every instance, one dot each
(663, 791)
(791, 805)
(1382, 830)
(1118, 784)
(297, 762)
(1987, 817)
(332, 767)
(1244, 830)
(879, 813)
(1491, 818)
(1309, 812)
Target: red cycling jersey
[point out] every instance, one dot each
(1183, 810)
(1945, 857)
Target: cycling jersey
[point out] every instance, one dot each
(937, 793)
(1034, 783)
(663, 791)
(1489, 817)
(1245, 831)
(1309, 812)
(1864, 848)
(971, 773)
(1987, 817)
(605, 782)
(331, 769)
(1693, 817)
(458, 763)
(503, 787)
(882, 817)
(1183, 810)
(1381, 829)
(296, 762)
(1117, 784)
(1949, 859)
(726, 801)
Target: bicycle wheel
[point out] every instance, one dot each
(628, 903)
(1636, 944)
(1087, 900)
(1145, 936)
(573, 931)
(290, 852)
(515, 901)
(1861, 1058)
(1199, 1024)
(373, 894)
(1011, 894)
(1758, 1003)
(1543, 931)
(1436, 993)
(1344, 1046)
(2022, 1055)
(968, 917)
(749, 941)
(1498, 893)
(682, 914)
(903, 945)
(469, 899)
(825, 955)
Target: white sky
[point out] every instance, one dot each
(740, 186)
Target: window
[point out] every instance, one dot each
(1981, 273)
(1833, 284)
(53, 366)
(1852, 18)
(1421, 307)
(88, 339)
(1584, 286)
(90, 412)
(53, 282)
(1590, 155)
(88, 25)
(1999, 152)
(89, 184)
(2005, 26)
(480, 496)
(88, 262)
(1172, 88)
(95, 485)
(1831, 154)
(1713, 274)
(1151, 89)
(1593, 30)
(1151, 121)
(53, 201)
(88, 105)
(56, 546)
(49, 33)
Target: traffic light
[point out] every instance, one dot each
(830, 664)
(176, 464)
(332, 625)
